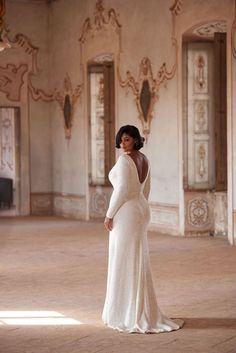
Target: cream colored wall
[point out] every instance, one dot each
(59, 166)
(154, 42)
(31, 19)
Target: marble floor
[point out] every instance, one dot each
(52, 287)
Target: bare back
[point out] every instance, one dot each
(141, 163)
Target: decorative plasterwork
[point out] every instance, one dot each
(101, 21)
(66, 97)
(199, 132)
(207, 30)
(69, 205)
(39, 94)
(202, 155)
(11, 80)
(21, 40)
(99, 200)
(176, 8)
(198, 212)
(146, 87)
(201, 108)
(41, 203)
(104, 58)
(11, 76)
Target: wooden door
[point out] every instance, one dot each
(220, 112)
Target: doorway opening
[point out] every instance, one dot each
(9, 161)
(205, 133)
(101, 134)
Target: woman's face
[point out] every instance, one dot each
(127, 143)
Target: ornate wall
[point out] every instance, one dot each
(52, 96)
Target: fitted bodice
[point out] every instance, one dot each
(125, 181)
(130, 303)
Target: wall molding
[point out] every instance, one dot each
(41, 203)
(146, 86)
(100, 21)
(164, 218)
(150, 93)
(11, 80)
(56, 203)
(69, 205)
(65, 97)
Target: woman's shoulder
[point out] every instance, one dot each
(123, 158)
(144, 157)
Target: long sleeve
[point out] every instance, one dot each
(147, 186)
(120, 193)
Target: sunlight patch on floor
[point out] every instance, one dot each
(35, 318)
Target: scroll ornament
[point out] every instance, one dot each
(146, 89)
(66, 98)
(101, 20)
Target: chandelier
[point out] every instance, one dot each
(4, 44)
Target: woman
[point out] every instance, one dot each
(130, 303)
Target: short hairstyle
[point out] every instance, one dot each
(132, 131)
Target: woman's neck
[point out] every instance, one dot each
(132, 152)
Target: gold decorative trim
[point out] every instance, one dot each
(146, 87)
(66, 98)
(38, 94)
(12, 75)
(146, 79)
(11, 80)
(21, 40)
(100, 21)
(176, 7)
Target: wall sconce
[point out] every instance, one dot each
(4, 44)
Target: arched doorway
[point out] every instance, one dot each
(205, 129)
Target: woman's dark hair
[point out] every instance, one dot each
(132, 131)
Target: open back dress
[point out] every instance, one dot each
(130, 303)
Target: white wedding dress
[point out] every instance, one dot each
(130, 303)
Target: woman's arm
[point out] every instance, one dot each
(120, 192)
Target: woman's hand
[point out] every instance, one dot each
(108, 223)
